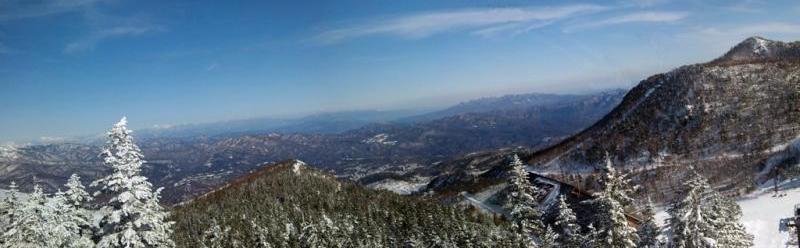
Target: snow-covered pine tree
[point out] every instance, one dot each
(76, 194)
(33, 225)
(566, 226)
(548, 239)
(648, 229)
(523, 204)
(591, 238)
(74, 220)
(132, 217)
(725, 217)
(9, 209)
(610, 203)
(215, 236)
(70, 222)
(262, 236)
(690, 224)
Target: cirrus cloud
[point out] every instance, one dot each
(22, 9)
(490, 20)
(88, 42)
(643, 16)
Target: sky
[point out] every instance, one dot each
(74, 67)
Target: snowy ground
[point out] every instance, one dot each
(762, 213)
(399, 186)
(20, 195)
(481, 204)
(480, 200)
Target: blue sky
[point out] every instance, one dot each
(73, 67)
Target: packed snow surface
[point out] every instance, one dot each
(763, 212)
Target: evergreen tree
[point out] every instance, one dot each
(69, 223)
(32, 225)
(73, 219)
(648, 229)
(610, 203)
(691, 225)
(76, 194)
(215, 236)
(569, 235)
(548, 239)
(9, 210)
(133, 217)
(261, 239)
(726, 221)
(524, 205)
(591, 239)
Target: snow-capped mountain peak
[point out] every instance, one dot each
(757, 48)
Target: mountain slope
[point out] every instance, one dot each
(724, 118)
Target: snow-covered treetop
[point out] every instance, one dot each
(11, 197)
(522, 192)
(617, 184)
(133, 216)
(76, 193)
(120, 148)
(125, 157)
(519, 180)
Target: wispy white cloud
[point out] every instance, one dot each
(426, 24)
(102, 26)
(643, 16)
(643, 3)
(510, 29)
(88, 42)
(21, 9)
(770, 28)
(755, 29)
(747, 6)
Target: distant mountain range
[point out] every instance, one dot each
(188, 164)
(322, 123)
(338, 122)
(487, 104)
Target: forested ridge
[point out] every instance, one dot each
(290, 205)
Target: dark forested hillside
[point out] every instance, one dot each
(291, 205)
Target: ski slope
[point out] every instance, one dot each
(762, 212)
